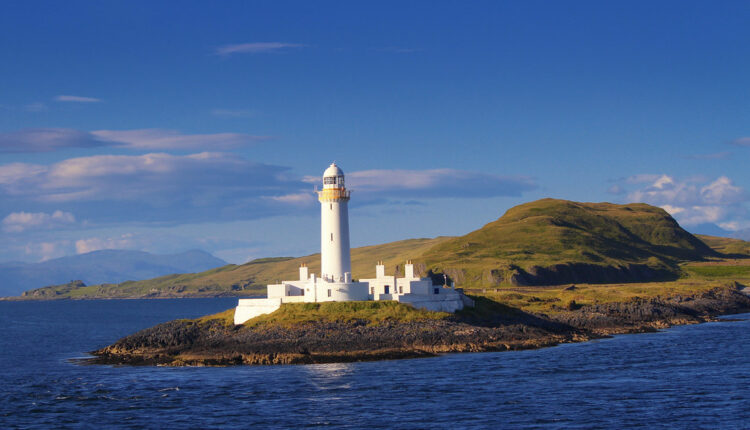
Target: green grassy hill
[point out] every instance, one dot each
(556, 241)
(730, 247)
(543, 242)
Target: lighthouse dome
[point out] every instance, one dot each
(333, 177)
(333, 170)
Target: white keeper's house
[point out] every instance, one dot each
(335, 283)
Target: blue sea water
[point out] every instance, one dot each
(685, 377)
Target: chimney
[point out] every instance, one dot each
(409, 270)
(380, 270)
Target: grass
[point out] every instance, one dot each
(730, 247)
(226, 318)
(290, 314)
(550, 300)
(549, 232)
(719, 272)
(372, 313)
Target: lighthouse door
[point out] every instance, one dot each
(387, 288)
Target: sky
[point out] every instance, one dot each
(168, 126)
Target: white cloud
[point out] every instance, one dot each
(46, 140)
(215, 186)
(642, 178)
(666, 190)
(151, 187)
(52, 139)
(741, 225)
(616, 190)
(43, 251)
(17, 222)
(157, 139)
(92, 244)
(696, 215)
(434, 183)
(722, 191)
(295, 198)
(256, 48)
(673, 210)
(15, 173)
(76, 99)
(693, 201)
(742, 141)
(127, 177)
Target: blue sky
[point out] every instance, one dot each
(170, 126)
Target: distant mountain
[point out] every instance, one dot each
(98, 267)
(543, 242)
(742, 234)
(710, 229)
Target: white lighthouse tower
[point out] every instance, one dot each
(336, 265)
(335, 282)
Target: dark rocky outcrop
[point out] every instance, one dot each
(591, 273)
(179, 342)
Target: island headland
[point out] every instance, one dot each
(361, 331)
(545, 273)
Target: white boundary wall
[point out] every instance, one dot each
(251, 308)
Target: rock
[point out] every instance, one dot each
(588, 273)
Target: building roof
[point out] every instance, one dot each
(333, 170)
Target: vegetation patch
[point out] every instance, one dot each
(226, 318)
(719, 271)
(732, 248)
(368, 312)
(552, 300)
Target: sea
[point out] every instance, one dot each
(691, 377)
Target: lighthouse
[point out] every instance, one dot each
(335, 283)
(336, 265)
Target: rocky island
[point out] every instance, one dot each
(358, 331)
(546, 272)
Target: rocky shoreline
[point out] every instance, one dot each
(213, 342)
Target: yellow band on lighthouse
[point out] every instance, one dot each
(333, 194)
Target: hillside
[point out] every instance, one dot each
(556, 241)
(543, 242)
(100, 266)
(728, 246)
